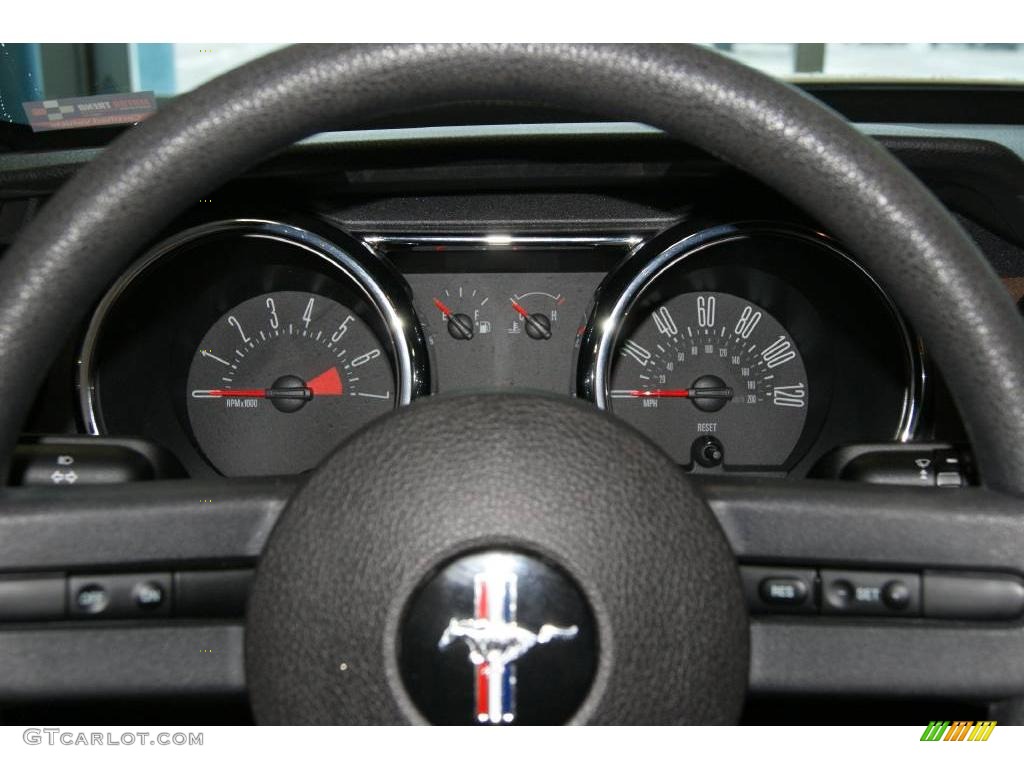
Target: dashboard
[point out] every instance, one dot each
(252, 347)
(360, 272)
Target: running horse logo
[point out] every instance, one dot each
(496, 641)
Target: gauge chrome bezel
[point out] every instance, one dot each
(626, 285)
(376, 283)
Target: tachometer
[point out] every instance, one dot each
(279, 377)
(714, 379)
(251, 347)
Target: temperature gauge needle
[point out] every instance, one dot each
(538, 326)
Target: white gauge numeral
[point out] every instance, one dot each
(233, 322)
(342, 330)
(791, 395)
(706, 311)
(207, 353)
(373, 354)
(748, 322)
(637, 352)
(781, 351)
(664, 322)
(274, 322)
(307, 316)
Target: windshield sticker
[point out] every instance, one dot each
(90, 111)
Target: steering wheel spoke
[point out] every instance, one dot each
(817, 524)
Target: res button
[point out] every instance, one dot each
(779, 590)
(783, 591)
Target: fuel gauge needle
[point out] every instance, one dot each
(460, 326)
(443, 307)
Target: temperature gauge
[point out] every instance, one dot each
(536, 314)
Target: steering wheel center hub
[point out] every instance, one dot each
(498, 638)
(497, 558)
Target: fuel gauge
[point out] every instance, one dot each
(464, 313)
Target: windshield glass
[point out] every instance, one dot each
(38, 72)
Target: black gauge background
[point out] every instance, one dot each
(847, 333)
(147, 341)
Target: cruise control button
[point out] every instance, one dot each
(871, 593)
(120, 595)
(783, 591)
(779, 590)
(148, 595)
(91, 599)
(838, 594)
(896, 595)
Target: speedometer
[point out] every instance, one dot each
(714, 379)
(751, 347)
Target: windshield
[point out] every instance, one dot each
(37, 72)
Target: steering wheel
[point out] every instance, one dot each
(634, 564)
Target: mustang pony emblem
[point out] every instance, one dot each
(495, 642)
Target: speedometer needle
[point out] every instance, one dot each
(723, 393)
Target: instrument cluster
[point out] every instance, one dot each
(254, 347)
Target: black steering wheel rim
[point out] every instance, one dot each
(93, 226)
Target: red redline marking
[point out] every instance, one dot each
(326, 383)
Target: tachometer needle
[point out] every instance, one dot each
(288, 388)
(294, 393)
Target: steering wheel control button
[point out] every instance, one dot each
(896, 594)
(498, 638)
(91, 599)
(973, 596)
(149, 595)
(119, 596)
(870, 593)
(785, 590)
(31, 598)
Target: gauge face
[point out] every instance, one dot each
(465, 312)
(279, 380)
(715, 380)
(536, 314)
